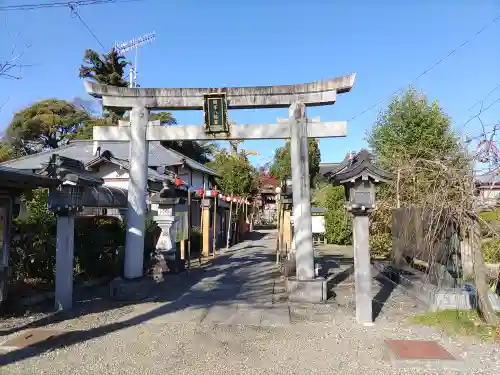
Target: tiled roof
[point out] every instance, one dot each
(325, 168)
(83, 151)
(24, 179)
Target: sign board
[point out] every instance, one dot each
(215, 109)
(318, 224)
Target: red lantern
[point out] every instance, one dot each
(177, 181)
(202, 192)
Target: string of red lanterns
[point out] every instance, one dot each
(213, 193)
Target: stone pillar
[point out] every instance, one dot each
(304, 251)
(137, 190)
(206, 226)
(64, 261)
(362, 269)
(166, 242)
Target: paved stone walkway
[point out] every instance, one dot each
(224, 319)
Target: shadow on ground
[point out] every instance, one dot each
(231, 271)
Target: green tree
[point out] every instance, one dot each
(413, 139)
(108, 69)
(86, 130)
(237, 175)
(338, 225)
(411, 128)
(44, 124)
(6, 152)
(281, 167)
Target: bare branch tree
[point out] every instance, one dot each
(11, 65)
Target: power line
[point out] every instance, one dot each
(74, 11)
(428, 69)
(484, 97)
(481, 112)
(60, 4)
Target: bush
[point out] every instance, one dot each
(33, 240)
(380, 245)
(491, 252)
(99, 243)
(99, 246)
(338, 225)
(196, 240)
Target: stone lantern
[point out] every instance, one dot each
(166, 257)
(65, 201)
(359, 178)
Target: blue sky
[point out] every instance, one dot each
(387, 43)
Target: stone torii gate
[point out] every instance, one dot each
(139, 131)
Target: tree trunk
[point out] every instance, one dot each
(480, 273)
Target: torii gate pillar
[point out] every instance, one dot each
(304, 252)
(137, 190)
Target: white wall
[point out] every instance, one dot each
(113, 175)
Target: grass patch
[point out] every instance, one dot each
(459, 322)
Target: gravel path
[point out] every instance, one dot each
(223, 321)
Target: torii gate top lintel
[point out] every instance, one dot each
(317, 93)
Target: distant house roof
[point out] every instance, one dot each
(108, 157)
(325, 168)
(83, 151)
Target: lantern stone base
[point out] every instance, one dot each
(158, 266)
(311, 291)
(134, 289)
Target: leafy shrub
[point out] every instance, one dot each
(33, 240)
(196, 240)
(380, 245)
(338, 225)
(491, 252)
(99, 243)
(99, 246)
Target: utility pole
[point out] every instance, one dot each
(134, 44)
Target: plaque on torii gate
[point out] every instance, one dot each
(139, 130)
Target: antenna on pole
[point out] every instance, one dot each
(134, 44)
